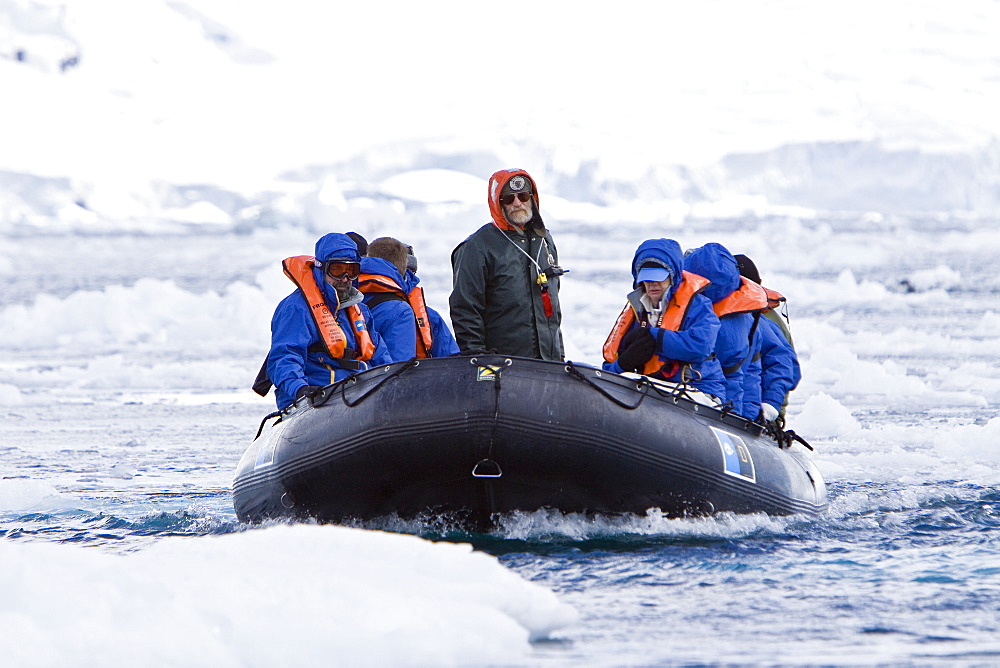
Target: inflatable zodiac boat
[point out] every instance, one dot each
(474, 438)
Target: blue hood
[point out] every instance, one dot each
(341, 246)
(382, 267)
(336, 245)
(717, 264)
(666, 253)
(412, 280)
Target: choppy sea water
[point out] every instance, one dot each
(903, 568)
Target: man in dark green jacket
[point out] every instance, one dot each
(505, 295)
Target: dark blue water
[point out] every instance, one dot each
(891, 583)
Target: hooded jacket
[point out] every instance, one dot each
(692, 343)
(393, 318)
(773, 371)
(498, 302)
(732, 347)
(298, 356)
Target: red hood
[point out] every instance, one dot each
(497, 182)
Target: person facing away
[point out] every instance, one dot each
(320, 332)
(400, 314)
(505, 277)
(734, 301)
(667, 329)
(385, 294)
(777, 363)
(442, 341)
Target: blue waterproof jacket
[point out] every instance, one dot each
(393, 318)
(732, 347)
(751, 376)
(694, 341)
(297, 356)
(780, 372)
(444, 341)
(774, 371)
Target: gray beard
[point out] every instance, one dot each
(520, 218)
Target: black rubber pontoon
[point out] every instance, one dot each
(474, 438)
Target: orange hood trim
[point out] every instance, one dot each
(497, 182)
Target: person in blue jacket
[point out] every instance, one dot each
(775, 359)
(385, 293)
(780, 372)
(320, 332)
(667, 329)
(734, 300)
(444, 343)
(409, 327)
(750, 408)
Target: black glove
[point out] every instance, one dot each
(633, 357)
(631, 336)
(308, 391)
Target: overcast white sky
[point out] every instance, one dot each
(633, 83)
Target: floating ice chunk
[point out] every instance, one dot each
(122, 471)
(822, 415)
(286, 595)
(939, 278)
(10, 395)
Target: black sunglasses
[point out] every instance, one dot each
(509, 198)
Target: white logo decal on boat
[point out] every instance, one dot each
(736, 459)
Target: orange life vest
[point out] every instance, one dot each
(774, 298)
(671, 319)
(749, 297)
(425, 340)
(299, 269)
(371, 283)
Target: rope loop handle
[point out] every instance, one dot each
(643, 386)
(353, 380)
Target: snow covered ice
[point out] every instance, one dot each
(344, 596)
(159, 159)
